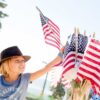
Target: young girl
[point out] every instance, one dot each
(13, 83)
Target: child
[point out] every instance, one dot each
(13, 83)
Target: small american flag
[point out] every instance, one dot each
(90, 66)
(51, 31)
(82, 43)
(55, 74)
(72, 56)
(69, 58)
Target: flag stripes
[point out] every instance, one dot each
(90, 66)
(69, 61)
(55, 75)
(66, 83)
(51, 31)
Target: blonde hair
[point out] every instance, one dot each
(4, 68)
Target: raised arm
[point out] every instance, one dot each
(47, 68)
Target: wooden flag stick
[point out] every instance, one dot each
(74, 29)
(77, 32)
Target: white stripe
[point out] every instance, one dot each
(93, 50)
(49, 37)
(47, 31)
(92, 57)
(54, 36)
(52, 43)
(54, 27)
(51, 40)
(52, 23)
(80, 54)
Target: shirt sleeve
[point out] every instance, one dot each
(60, 54)
(26, 77)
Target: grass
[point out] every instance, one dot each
(31, 96)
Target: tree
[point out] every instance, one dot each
(2, 14)
(58, 91)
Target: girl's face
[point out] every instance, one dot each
(17, 64)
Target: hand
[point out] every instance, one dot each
(62, 49)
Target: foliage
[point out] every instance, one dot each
(2, 14)
(29, 98)
(58, 91)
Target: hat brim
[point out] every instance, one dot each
(25, 57)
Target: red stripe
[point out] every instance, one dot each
(95, 41)
(58, 47)
(52, 41)
(92, 54)
(53, 25)
(89, 72)
(67, 69)
(90, 66)
(80, 57)
(69, 56)
(47, 29)
(91, 60)
(50, 35)
(69, 62)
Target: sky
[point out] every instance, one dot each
(23, 26)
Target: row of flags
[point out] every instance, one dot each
(81, 51)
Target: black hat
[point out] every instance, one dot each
(11, 52)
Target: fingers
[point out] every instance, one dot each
(62, 49)
(85, 86)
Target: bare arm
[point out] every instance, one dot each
(47, 68)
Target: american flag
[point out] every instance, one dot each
(72, 56)
(55, 74)
(82, 43)
(51, 31)
(90, 66)
(69, 59)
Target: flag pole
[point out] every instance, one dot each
(39, 10)
(76, 44)
(44, 85)
(76, 33)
